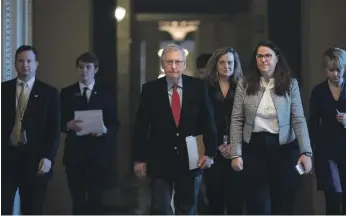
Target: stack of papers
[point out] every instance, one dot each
(91, 121)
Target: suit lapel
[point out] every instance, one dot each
(93, 99)
(33, 99)
(163, 91)
(187, 91)
(12, 98)
(76, 98)
(77, 92)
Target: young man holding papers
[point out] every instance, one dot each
(88, 118)
(170, 111)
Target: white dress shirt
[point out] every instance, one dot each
(266, 118)
(90, 88)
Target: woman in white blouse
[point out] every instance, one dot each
(269, 132)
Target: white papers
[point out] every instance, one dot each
(91, 121)
(192, 151)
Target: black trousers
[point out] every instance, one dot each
(32, 186)
(333, 203)
(185, 198)
(86, 185)
(271, 177)
(224, 188)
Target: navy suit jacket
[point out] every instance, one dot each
(97, 149)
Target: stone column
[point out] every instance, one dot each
(17, 28)
(123, 87)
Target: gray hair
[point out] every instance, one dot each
(171, 48)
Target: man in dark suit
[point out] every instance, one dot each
(87, 157)
(169, 113)
(30, 135)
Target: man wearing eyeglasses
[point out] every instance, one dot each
(170, 111)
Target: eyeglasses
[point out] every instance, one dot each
(177, 63)
(267, 57)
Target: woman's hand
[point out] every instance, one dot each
(237, 164)
(306, 163)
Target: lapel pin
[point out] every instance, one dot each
(36, 96)
(95, 92)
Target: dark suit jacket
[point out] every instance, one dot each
(156, 135)
(78, 149)
(41, 121)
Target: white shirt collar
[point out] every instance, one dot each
(170, 84)
(29, 83)
(90, 86)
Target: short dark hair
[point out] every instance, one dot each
(24, 48)
(88, 57)
(202, 60)
(283, 74)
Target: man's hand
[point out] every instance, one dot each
(306, 163)
(237, 164)
(140, 169)
(205, 162)
(44, 166)
(225, 150)
(99, 134)
(73, 125)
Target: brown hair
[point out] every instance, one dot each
(88, 57)
(283, 74)
(211, 67)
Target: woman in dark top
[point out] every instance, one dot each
(223, 184)
(327, 128)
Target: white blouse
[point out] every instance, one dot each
(266, 118)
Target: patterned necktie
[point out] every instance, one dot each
(21, 102)
(176, 108)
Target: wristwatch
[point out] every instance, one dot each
(308, 154)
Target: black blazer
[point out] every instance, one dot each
(79, 148)
(156, 135)
(41, 121)
(222, 109)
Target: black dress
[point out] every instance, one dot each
(328, 138)
(223, 184)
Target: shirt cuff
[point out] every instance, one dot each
(104, 129)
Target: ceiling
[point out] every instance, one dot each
(192, 6)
